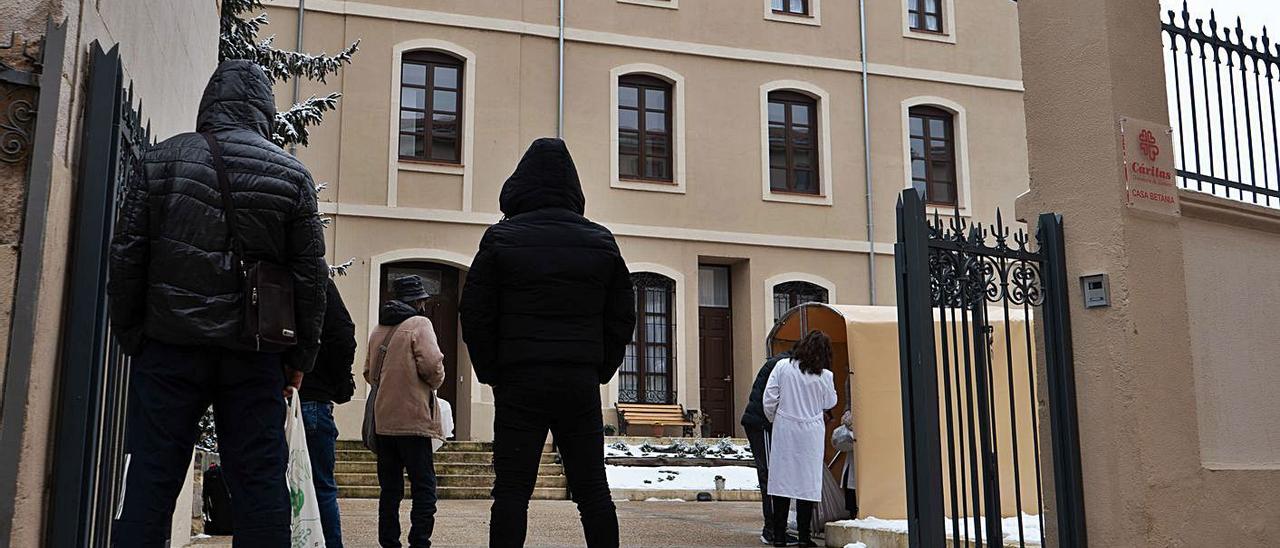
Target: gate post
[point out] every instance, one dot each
(921, 444)
(1060, 368)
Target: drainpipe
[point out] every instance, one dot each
(560, 74)
(866, 150)
(302, 15)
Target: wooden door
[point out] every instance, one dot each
(715, 350)
(441, 282)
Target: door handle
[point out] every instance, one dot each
(728, 379)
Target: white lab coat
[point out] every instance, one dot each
(794, 402)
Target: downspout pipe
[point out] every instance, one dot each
(866, 150)
(302, 16)
(560, 75)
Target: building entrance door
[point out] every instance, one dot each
(441, 282)
(715, 350)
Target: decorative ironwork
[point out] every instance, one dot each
(17, 123)
(968, 271)
(18, 100)
(1224, 105)
(966, 293)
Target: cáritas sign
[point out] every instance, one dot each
(1149, 175)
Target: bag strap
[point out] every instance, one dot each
(382, 349)
(228, 205)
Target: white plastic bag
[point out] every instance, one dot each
(305, 527)
(446, 424)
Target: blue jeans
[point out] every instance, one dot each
(322, 437)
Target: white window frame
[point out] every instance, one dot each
(813, 19)
(466, 169)
(678, 177)
(825, 182)
(668, 4)
(960, 127)
(948, 35)
(771, 282)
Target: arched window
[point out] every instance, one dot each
(645, 128)
(789, 295)
(933, 154)
(648, 371)
(793, 143)
(430, 107)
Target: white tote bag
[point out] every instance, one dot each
(446, 425)
(305, 526)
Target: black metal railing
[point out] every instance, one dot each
(967, 294)
(1223, 107)
(88, 459)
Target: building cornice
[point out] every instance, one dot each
(619, 229)
(378, 11)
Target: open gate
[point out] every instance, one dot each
(88, 458)
(968, 296)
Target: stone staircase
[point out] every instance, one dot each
(464, 470)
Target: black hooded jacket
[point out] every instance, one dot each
(171, 274)
(331, 379)
(753, 416)
(548, 287)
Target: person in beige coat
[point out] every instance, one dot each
(405, 362)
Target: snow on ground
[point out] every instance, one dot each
(699, 478)
(723, 449)
(1030, 527)
(855, 545)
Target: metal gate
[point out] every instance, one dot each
(968, 296)
(88, 461)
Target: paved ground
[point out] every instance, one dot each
(555, 523)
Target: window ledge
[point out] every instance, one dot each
(665, 4)
(945, 38)
(431, 167)
(798, 198)
(672, 187)
(945, 211)
(811, 20)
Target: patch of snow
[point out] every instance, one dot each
(855, 545)
(723, 449)
(660, 499)
(702, 478)
(968, 527)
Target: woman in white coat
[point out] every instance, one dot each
(799, 391)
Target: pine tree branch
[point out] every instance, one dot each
(291, 125)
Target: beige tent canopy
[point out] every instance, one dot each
(867, 371)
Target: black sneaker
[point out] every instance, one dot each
(790, 540)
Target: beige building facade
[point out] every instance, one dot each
(730, 223)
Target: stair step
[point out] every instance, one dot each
(474, 457)
(452, 493)
(443, 468)
(371, 480)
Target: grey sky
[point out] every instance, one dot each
(1255, 13)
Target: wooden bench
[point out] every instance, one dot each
(657, 416)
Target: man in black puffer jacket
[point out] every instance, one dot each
(547, 312)
(176, 301)
(759, 430)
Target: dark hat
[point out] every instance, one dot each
(409, 289)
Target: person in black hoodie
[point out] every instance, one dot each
(758, 429)
(176, 300)
(547, 311)
(328, 384)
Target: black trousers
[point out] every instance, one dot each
(759, 440)
(398, 455)
(529, 402)
(170, 388)
(804, 516)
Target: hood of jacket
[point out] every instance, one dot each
(545, 178)
(238, 96)
(394, 312)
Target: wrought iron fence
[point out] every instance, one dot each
(1223, 107)
(89, 461)
(967, 295)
